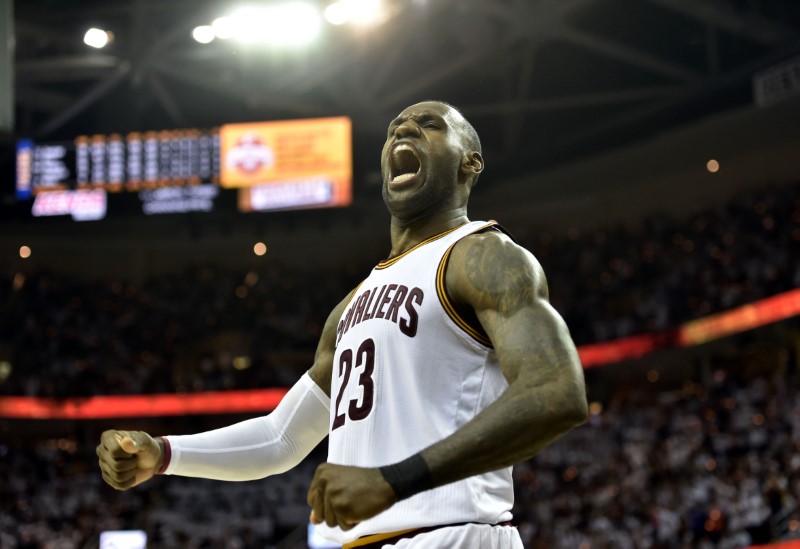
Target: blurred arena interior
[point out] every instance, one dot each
(646, 151)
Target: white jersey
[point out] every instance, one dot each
(408, 372)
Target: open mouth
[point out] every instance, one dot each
(405, 164)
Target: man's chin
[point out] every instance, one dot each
(408, 203)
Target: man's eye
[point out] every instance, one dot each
(432, 125)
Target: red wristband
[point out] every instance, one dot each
(167, 456)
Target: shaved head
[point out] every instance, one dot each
(471, 139)
(430, 161)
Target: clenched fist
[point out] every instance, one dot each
(344, 496)
(128, 458)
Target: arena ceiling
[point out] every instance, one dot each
(544, 81)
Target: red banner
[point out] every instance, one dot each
(218, 402)
(627, 348)
(741, 319)
(696, 332)
(794, 544)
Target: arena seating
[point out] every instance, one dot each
(704, 465)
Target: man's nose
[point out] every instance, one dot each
(409, 128)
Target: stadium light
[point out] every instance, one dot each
(289, 24)
(204, 34)
(365, 12)
(337, 13)
(358, 12)
(24, 252)
(223, 27)
(97, 38)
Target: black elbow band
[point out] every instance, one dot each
(408, 477)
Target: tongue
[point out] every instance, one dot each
(403, 177)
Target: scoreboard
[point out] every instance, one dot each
(115, 162)
(273, 165)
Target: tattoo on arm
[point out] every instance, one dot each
(505, 280)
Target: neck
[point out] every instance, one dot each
(407, 233)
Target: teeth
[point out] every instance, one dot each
(405, 162)
(403, 178)
(403, 147)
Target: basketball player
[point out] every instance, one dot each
(442, 369)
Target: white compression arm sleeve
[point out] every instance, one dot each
(258, 447)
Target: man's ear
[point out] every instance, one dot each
(472, 164)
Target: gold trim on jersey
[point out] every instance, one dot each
(352, 294)
(444, 299)
(391, 261)
(374, 538)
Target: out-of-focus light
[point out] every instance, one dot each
(337, 13)
(246, 24)
(358, 12)
(24, 252)
(204, 34)
(296, 23)
(290, 24)
(5, 370)
(19, 282)
(241, 362)
(365, 12)
(653, 376)
(97, 38)
(595, 408)
(712, 166)
(251, 278)
(223, 27)
(260, 248)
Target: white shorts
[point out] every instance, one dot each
(465, 536)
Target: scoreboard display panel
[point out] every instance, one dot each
(275, 165)
(116, 163)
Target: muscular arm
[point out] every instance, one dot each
(505, 286)
(545, 398)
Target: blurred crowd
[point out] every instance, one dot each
(204, 329)
(611, 283)
(714, 466)
(54, 498)
(212, 329)
(703, 466)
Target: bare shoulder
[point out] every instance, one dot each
(490, 271)
(322, 368)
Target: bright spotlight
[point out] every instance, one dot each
(712, 166)
(223, 27)
(260, 248)
(204, 34)
(293, 23)
(24, 252)
(247, 24)
(365, 12)
(337, 13)
(97, 38)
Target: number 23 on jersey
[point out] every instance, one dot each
(363, 357)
